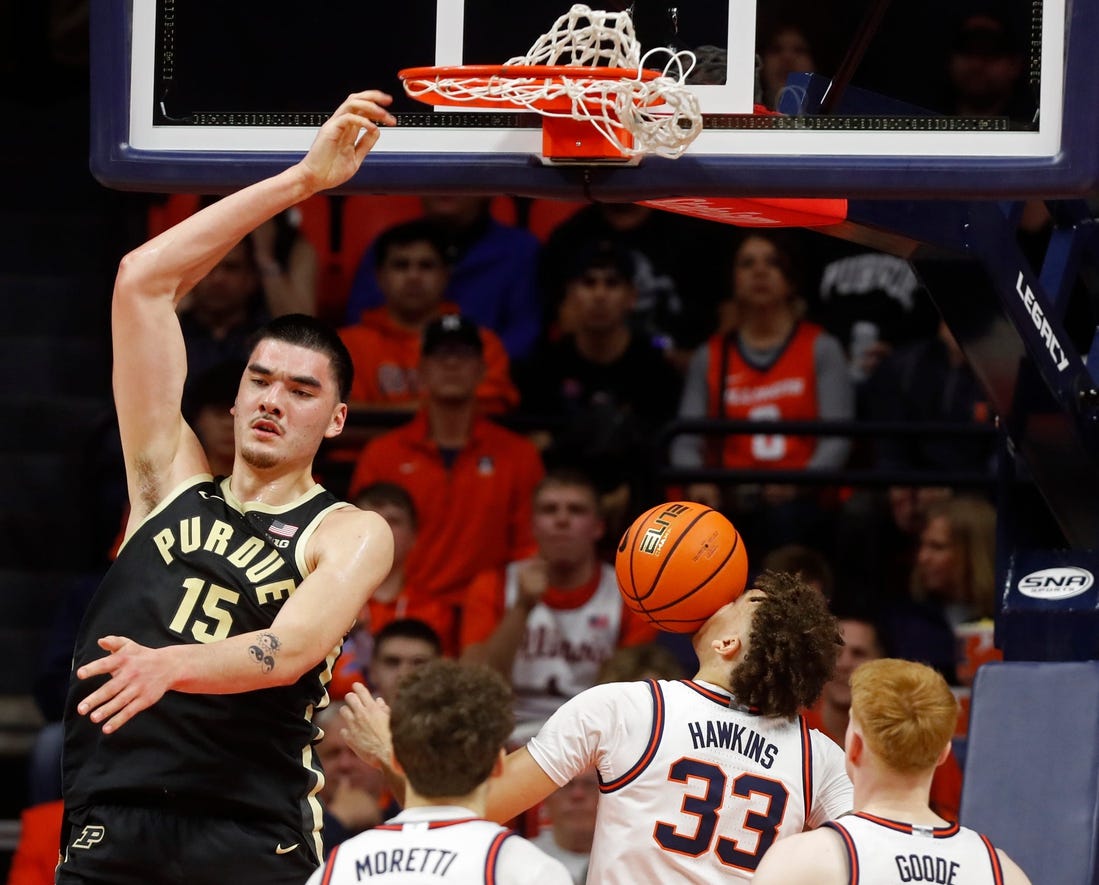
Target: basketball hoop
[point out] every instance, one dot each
(585, 74)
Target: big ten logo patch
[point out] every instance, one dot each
(91, 835)
(656, 534)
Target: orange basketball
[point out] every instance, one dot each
(679, 563)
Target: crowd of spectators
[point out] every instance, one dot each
(507, 477)
(514, 408)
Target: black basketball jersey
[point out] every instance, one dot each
(203, 567)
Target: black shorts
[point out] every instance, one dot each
(127, 845)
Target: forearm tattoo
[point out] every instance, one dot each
(264, 651)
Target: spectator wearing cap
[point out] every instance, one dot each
(604, 389)
(412, 274)
(471, 480)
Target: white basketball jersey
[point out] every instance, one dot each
(692, 788)
(885, 852)
(439, 844)
(562, 648)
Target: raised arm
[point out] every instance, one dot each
(498, 649)
(351, 552)
(149, 357)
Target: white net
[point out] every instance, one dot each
(586, 37)
(660, 114)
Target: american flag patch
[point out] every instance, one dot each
(282, 529)
(599, 622)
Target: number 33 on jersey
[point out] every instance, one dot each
(719, 783)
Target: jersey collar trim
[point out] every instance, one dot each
(257, 507)
(718, 695)
(901, 827)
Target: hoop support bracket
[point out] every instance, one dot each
(565, 138)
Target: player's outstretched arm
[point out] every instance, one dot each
(522, 785)
(149, 356)
(815, 858)
(353, 552)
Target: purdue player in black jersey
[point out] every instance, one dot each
(188, 733)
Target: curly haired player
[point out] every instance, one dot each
(698, 777)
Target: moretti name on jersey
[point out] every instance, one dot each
(730, 736)
(422, 859)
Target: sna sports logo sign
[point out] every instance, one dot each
(1062, 582)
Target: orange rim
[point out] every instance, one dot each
(519, 72)
(482, 75)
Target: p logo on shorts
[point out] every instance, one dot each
(91, 835)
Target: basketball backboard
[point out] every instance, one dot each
(208, 96)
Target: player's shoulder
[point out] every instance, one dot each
(617, 696)
(345, 514)
(817, 857)
(638, 688)
(346, 525)
(521, 862)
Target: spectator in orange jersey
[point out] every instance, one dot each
(412, 274)
(831, 714)
(770, 366)
(472, 481)
(549, 622)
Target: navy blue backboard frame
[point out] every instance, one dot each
(1072, 171)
